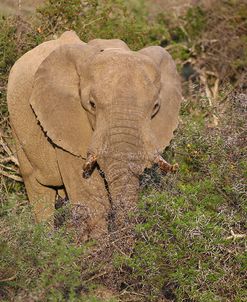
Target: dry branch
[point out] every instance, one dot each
(6, 159)
(235, 236)
(10, 157)
(8, 168)
(11, 176)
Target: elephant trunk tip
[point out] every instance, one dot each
(89, 165)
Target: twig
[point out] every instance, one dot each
(96, 276)
(8, 151)
(8, 168)
(3, 120)
(215, 89)
(91, 22)
(19, 5)
(176, 45)
(11, 176)
(8, 279)
(132, 293)
(235, 236)
(211, 93)
(203, 78)
(233, 88)
(117, 248)
(5, 160)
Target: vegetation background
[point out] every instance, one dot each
(190, 242)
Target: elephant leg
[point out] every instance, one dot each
(41, 198)
(88, 197)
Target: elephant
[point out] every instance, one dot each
(87, 119)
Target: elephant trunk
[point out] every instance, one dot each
(122, 177)
(124, 154)
(122, 163)
(123, 187)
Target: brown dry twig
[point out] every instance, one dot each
(11, 176)
(8, 168)
(235, 236)
(8, 279)
(10, 157)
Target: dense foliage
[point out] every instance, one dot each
(191, 236)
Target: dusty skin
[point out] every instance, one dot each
(99, 106)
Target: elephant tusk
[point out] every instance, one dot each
(165, 166)
(89, 165)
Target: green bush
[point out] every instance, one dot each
(7, 58)
(100, 19)
(190, 239)
(187, 247)
(213, 37)
(16, 37)
(38, 263)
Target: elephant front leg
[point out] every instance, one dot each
(42, 198)
(88, 197)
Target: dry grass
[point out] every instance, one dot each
(19, 6)
(190, 229)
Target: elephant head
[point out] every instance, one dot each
(111, 106)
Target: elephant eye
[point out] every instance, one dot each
(155, 109)
(92, 104)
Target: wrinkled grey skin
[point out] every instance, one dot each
(68, 100)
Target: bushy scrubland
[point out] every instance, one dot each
(191, 234)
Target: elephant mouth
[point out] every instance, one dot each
(91, 163)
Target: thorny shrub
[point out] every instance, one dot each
(107, 19)
(190, 239)
(191, 243)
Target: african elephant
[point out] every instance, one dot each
(99, 107)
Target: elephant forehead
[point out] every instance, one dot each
(128, 88)
(124, 64)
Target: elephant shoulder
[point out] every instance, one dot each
(31, 60)
(22, 73)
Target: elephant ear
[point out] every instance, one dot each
(165, 121)
(56, 100)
